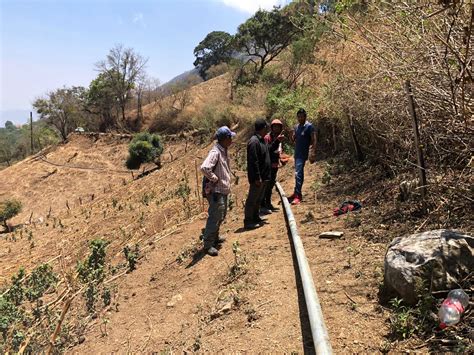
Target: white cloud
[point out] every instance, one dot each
(250, 6)
(138, 19)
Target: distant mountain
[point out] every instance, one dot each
(181, 77)
(16, 116)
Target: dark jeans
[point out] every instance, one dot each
(267, 197)
(217, 212)
(254, 200)
(299, 176)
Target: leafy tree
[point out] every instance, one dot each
(263, 36)
(43, 135)
(100, 101)
(8, 145)
(8, 210)
(144, 148)
(215, 48)
(15, 143)
(121, 70)
(338, 6)
(62, 109)
(10, 126)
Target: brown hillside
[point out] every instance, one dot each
(204, 106)
(174, 300)
(78, 169)
(190, 100)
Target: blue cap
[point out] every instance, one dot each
(224, 132)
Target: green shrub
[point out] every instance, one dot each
(9, 209)
(205, 121)
(212, 117)
(92, 272)
(40, 280)
(131, 255)
(144, 147)
(283, 103)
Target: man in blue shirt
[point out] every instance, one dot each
(304, 137)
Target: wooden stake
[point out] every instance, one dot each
(359, 154)
(197, 182)
(31, 131)
(334, 139)
(418, 145)
(67, 304)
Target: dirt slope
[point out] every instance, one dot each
(121, 210)
(171, 302)
(178, 299)
(84, 166)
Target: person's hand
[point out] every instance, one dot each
(258, 183)
(312, 157)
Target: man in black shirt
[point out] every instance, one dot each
(258, 172)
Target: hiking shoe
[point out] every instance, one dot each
(251, 226)
(261, 221)
(219, 241)
(296, 201)
(292, 197)
(264, 211)
(273, 208)
(212, 251)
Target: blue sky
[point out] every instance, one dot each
(47, 44)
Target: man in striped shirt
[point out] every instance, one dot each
(216, 188)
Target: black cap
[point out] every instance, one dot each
(301, 111)
(260, 124)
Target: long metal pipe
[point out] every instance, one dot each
(316, 320)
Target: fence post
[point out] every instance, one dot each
(358, 149)
(31, 130)
(418, 145)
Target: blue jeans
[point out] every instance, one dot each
(216, 215)
(299, 176)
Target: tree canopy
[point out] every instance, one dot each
(100, 101)
(8, 210)
(263, 36)
(121, 69)
(63, 109)
(214, 49)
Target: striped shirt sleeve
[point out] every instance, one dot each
(209, 164)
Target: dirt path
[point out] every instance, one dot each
(178, 300)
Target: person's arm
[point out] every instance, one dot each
(208, 165)
(274, 145)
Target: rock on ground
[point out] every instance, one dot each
(441, 258)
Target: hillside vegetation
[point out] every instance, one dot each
(353, 66)
(363, 70)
